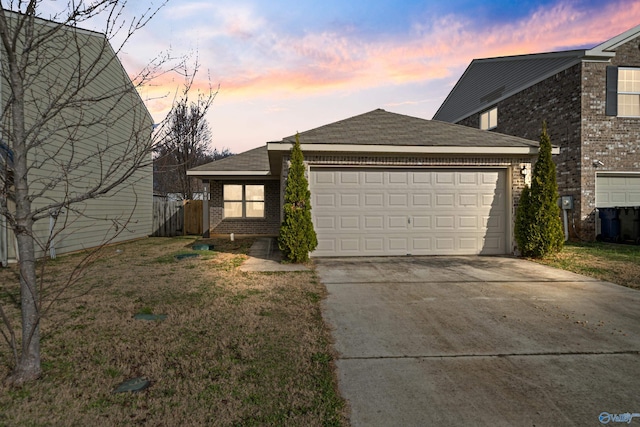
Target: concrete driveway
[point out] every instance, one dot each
(481, 341)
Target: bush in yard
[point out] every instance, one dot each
(297, 236)
(538, 228)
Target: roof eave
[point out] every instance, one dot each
(518, 89)
(227, 173)
(407, 149)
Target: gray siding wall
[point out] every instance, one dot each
(111, 125)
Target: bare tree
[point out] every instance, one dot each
(73, 130)
(185, 144)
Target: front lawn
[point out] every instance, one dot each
(235, 348)
(607, 261)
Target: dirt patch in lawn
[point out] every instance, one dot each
(234, 349)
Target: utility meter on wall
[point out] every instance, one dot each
(566, 202)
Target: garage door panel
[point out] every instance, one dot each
(374, 200)
(397, 222)
(468, 200)
(488, 200)
(468, 178)
(374, 244)
(445, 200)
(347, 200)
(492, 243)
(350, 244)
(348, 223)
(398, 177)
(445, 222)
(444, 244)
(468, 243)
(618, 190)
(445, 178)
(421, 177)
(468, 222)
(421, 244)
(325, 223)
(323, 177)
(421, 222)
(349, 177)
(494, 223)
(400, 212)
(421, 200)
(398, 200)
(398, 244)
(374, 178)
(374, 223)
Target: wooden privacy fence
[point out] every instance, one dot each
(193, 217)
(176, 218)
(168, 217)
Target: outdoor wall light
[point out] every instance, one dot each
(524, 171)
(597, 163)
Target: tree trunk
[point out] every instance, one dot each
(28, 366)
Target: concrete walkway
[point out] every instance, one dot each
(264, 256)
(459, 341)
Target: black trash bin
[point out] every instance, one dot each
(630, 224)
(609, 224)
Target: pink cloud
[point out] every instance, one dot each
(331, 61)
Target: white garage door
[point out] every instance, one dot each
(358, 212)
(615, 190)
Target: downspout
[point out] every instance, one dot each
(4, 248)
(53, 218)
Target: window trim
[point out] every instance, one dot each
(244, 202)
(488, 114)
(620, 92)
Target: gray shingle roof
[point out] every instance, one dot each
(253, 160)
(380, 127)
(489, 80)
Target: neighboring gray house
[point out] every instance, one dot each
(104, 122)
(590, 100)
(381, 184)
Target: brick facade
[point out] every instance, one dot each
(572, 103)
(269, 225)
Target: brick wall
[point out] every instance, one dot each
(555, 100)
(612, 140)
(269, 225)
(572, 103)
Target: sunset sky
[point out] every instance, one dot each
(292, 65)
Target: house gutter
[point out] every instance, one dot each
(419, 149)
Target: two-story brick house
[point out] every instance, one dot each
(590, 100)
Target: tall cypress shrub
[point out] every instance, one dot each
(297, 236)
(538, 228)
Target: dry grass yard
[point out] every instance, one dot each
(236, 349)
(614, 263)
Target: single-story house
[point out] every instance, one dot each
(381, 184)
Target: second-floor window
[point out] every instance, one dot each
(243, 201)
(489, 119)
(629, 92)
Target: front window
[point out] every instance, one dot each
(489, 119)
(243, 201)
(629, 92)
